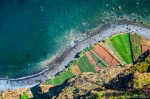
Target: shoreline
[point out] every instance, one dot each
(62, 61)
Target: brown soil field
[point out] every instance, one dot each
(144, 49)
(114, 62)
(110, 51)
(148, 42)
(100, 66)
(76, 70)
(108, 57)
(103, 52)
(46, 89)
(91, 59)
(96, 68)
(145, 41)
(101, 57)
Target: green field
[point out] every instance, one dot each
(136, 45)
(121, 43)
(25, 96)
(94, 56)
(59, 79)
(82, 65)
(137, 50)
(91, 68)
(85, 65)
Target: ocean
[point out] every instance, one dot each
(33, 31)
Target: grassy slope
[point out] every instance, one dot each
(59, 79)
(122, 44)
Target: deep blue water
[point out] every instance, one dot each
(31, 31)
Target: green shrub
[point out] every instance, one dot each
(136, 34)
(128, 93)
(137, 90)
(137, 81)
(140, 67)
(139, 96)
(82, 53)
(121, 65)
(99, 94)
(70, 66)
(25, 96)
(104, 40)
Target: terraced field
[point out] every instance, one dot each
(136, 46)
(145, 43)
(117, 50)
(122, 44)
(85, 65)
(111, 46)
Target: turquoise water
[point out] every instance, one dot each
(32, 31)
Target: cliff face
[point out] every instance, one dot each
(130, 81)
(108, 83)
(16, 94)
(82, 85)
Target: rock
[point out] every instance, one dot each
(135, 20)
(119, 7)
(137, 3)
(54, 97)
(10, 94)
(92, 93)
(112, 8)
(142, 22)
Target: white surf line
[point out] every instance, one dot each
(105, 32)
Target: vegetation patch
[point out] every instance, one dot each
(122, 44)
(136, 46)
(25, 96)
(59, 79)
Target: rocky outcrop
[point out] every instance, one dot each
(81, 85)
(16, 94)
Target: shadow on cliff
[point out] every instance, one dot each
(142, 57)
(122, 83)
(54, 91)
(118, 83)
